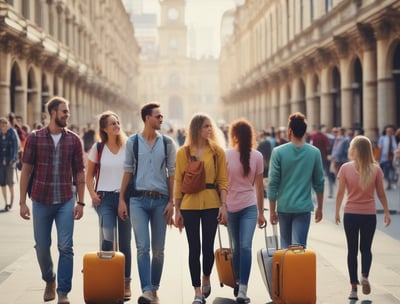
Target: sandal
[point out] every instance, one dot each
(206, 290)
(197, 300)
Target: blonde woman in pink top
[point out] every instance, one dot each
(361, 177)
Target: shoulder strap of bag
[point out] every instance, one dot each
(100, 147)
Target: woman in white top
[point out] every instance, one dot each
(245, 200)
(103, 181)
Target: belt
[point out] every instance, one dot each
(151, 194)
(102, 193)
(211, 186)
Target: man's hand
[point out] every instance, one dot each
(78, 212)
(318, 215)
(24, 211)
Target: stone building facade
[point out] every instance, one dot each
(84, 51)
(337, 61)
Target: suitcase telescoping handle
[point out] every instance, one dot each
(219, 238)
(273, 238)
(107, 254)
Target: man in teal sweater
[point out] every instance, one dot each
(294, 168)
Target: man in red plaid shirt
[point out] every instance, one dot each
(54, 155)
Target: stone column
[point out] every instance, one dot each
(34, 107)
(274, 106)
(385, 87)
(284, 106)
(20, 99)
(326, 98)
(5, 72)
(370, 92)
(312, 102)
(346, 92)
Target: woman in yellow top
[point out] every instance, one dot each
(207, 207)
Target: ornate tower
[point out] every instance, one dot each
(172, 30)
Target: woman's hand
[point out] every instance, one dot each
(222, 215)
(178, 220)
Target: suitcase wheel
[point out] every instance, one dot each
(221, 284)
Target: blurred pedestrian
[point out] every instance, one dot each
(206, 208)
(387, 144)
(361, 177)
(245, 199)
(103, 181)
(265, 148)
(8, 158)
(295, 168)
(54, 155)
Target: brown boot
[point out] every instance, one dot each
(127, 293)
(50, 291)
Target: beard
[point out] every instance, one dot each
(60, 122)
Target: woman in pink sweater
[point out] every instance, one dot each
(361, 177)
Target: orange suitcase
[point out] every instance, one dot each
(294, 276)
(223, 262)
(104, 276)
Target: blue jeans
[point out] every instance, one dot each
(145, 211)
(294, 228)
(43, 218)
(359, 227)
(108, 218)
(241, 227)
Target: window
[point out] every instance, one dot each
(312, 9)
(328, 5)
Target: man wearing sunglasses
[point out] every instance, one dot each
(150, 162)
(53, 155)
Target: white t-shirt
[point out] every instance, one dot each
(111, 169)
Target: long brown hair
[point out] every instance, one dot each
(195, 126)
(242, 133)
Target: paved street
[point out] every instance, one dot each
(20, 280)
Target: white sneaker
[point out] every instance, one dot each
(146, 297)
(353, 295)
(242, 298)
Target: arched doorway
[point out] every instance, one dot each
(15, 84)
(336, 98)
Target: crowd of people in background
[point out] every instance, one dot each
(333, 145)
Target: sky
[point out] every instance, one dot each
(205, 17)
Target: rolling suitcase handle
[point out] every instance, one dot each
(107, 254)
(271, 242)
(220, 241)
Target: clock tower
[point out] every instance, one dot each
(172, 30)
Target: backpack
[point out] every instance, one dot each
(131, 188)
(194, 177)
